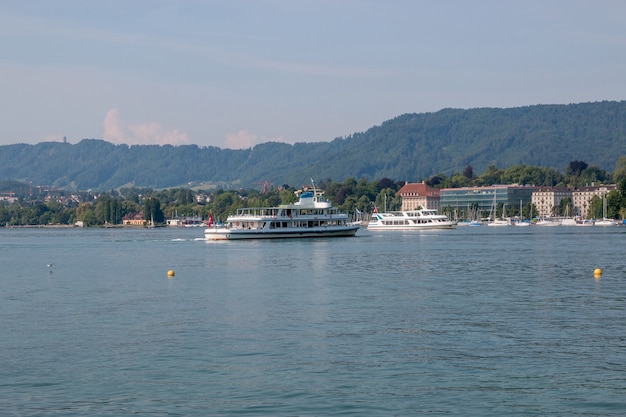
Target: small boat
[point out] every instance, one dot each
(547, 222)
(410, 220)
(469, 223)
(311, 216)
(500, 222)
(568, 221)
(503, 221)
(520, 221)
(193, 221)
(605, 222)
(584, 222)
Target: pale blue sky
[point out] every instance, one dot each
(236, 73)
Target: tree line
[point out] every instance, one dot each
(352, 195)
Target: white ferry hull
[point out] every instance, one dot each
(237, 234)
(412, 227)
(423, 219)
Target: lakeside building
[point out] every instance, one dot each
(547, 199)
(581, 197)
(544, 199)
(134, 219)
(419, 195)
(482, 199)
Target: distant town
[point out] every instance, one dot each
(583, 192)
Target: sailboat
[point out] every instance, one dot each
(503, 221)
(472, 218)
(546, 221)
(521, 221)
(568, 220)
(605, 221)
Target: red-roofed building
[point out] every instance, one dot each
(419, 195)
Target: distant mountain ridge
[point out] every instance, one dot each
(409, 147)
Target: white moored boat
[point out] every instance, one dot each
(605, 222)
(410, 220)
(548, 222)
(312, 216)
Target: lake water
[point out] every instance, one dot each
(476, 321)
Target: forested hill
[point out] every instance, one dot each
(409, 147)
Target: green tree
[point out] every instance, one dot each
(152, 210)
(620, 170)
(364, 204)
(575, 168)
(621, 192)
(468, 172)
(108, 210)
(595, 207)
(287, 196)
(593, 175)
(491, 176)
(387, 200)
(458, 180)
(5, 216)
(437, 181)
(86, 214)
(566, 207)
(349, 204)
(613, 203)
(226, 203)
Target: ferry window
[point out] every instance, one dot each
(284, 224)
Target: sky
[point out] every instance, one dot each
(235, 73)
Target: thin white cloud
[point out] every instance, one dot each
(151, 133)
(240, 140)
(113, 131)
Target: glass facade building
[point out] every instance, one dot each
(482, 199)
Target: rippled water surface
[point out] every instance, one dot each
(474, 321)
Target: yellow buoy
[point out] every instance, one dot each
(597, 272)
(170, 273)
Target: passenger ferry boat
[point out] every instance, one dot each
(410, 220)
(311, 216)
